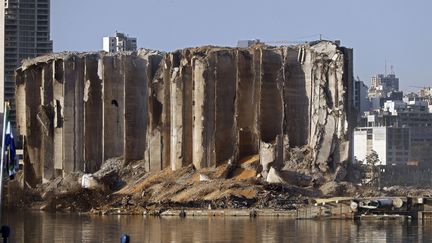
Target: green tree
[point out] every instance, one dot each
(372, 159)
(373, 168)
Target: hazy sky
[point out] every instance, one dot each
(398, 31)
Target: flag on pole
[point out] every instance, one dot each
(11, 164)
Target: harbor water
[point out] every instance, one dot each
(58, 227)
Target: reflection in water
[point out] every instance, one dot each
(46, 227)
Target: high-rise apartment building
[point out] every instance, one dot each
(24, 33)
(361, 101)
(119, 42)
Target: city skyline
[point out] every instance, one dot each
(379, 32)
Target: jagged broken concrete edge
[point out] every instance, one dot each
(204, 106)
(29, 62)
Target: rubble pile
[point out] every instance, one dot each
(154, 192)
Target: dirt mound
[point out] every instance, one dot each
(130, 189)
(221, 187)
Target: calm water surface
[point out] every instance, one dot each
(48, 227)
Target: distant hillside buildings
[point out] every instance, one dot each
(119, 42)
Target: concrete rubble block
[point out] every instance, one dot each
(89, 182)
(271, 155)
(267, 155)
(288, 177)
(274, 176)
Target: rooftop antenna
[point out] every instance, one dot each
(385, 69)
(391, 70)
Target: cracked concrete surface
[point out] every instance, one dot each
(205, 106)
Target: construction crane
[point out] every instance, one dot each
(286, 42)
(422, 90)
(297, 42)
(419, 87)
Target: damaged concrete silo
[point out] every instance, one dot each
(204, 106)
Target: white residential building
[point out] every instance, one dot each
(393, 106)
(391, 144)
(119, 42)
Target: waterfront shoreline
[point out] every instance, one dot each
(131, 190)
